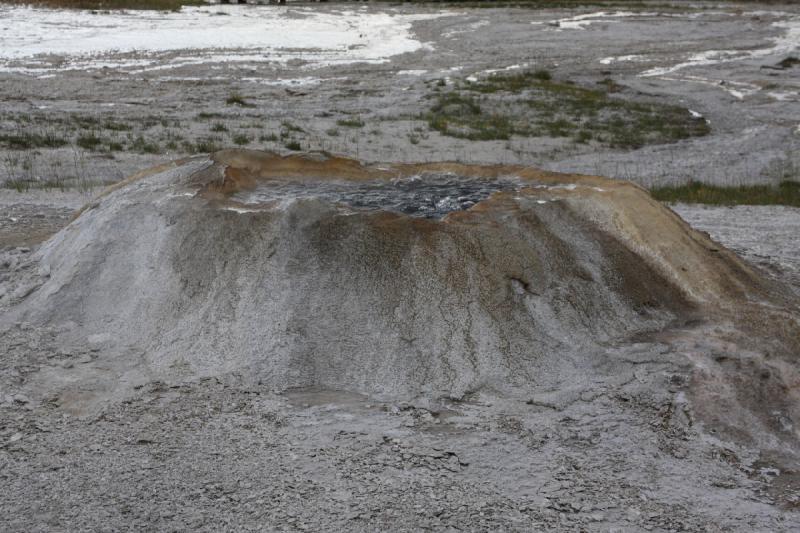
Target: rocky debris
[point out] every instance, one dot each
(205, 454)
(628, 431)
(24, 225)
(176, 273)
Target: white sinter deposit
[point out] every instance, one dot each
(31, 37)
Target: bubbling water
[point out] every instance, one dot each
(428, 195)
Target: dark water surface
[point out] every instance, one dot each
(427, 195)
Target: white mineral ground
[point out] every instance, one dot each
(135, 38)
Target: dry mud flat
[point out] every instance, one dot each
(133, 399)
(82, 106)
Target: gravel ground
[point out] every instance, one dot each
(218, 454)
(767, 236)
(624, 455)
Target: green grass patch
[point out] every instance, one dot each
(28, 140)
(788, 62)
(89, 141)
(293, 145)
(204, 145)
(461, 116)
(59, 183)
(241, 139)
(116, 126)
(238, 99)
(350, 123)
(288, 127)
(694, 192)
(532, 104)
(143, 146)
(203, 115)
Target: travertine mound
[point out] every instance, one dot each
(245, 262)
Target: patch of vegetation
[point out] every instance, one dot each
(532, 104)
(219, 126)
(208, 116)
(462, 116)
(694, 192)
(28, 140)
(542, 75)
(145, 147)
(241, 139)
(332, 132)
(788, 62)
(58, 182)
(610, 86)
(288, 127)
(89, 141)
(350, 123)
(116, 126)
(203, 145)
(293, 145)
(238, 99)
(269, 137)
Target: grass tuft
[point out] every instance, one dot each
(293, 145)
(532, 104)
(694, 192)
(542, 75)
(145, 147)
(350, 123)
(27, 140)
(460, 116)
(788, 62)
(241, 139)
(89, 141)
(238, 99)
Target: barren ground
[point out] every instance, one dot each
(218, 454)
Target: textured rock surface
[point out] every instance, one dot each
(180, 280)
(626, 372)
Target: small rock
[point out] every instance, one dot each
(20, 398)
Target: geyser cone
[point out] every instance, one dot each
(299, 271)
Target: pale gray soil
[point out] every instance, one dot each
(768, 236)
(621, 449)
